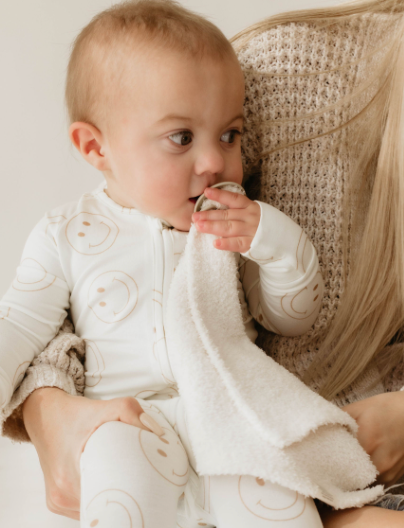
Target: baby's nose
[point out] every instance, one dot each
(211, 164)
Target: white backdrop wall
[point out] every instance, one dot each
(40, 169)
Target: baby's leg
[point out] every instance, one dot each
(132, 478)
(240, 501)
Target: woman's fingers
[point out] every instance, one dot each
(60, 438)
(129, 410)
(381, 432)
(63, 489)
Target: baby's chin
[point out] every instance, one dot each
(181, 222)
(181, 225)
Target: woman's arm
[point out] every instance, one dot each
(49, 409)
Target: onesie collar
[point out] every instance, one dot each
(100, 193)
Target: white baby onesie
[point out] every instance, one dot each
(112, 267)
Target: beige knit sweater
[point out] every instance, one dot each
(307, 182)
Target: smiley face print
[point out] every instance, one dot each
(112, 296)
(32, 276)
(91, 234)
(95, 364)
(304, 303)
(114, 507)
(269, 501)
(166, 454)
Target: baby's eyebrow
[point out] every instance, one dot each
(170, 117)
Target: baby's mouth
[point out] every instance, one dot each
(193, 200)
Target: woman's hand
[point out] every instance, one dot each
(381, 432)
(59, 426)
(237, 225)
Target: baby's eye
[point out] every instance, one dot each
(230, 136)
(184, 137)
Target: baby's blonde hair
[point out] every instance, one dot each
(97, 62)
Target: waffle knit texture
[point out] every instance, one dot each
(308, 181)
(60, 365)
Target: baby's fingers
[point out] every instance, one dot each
(225, 228)
(236, 244)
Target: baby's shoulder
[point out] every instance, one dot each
(88, 202)
(92, 224)
(76, 215)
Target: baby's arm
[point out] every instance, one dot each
(32, 310)
(281, 279)
(281, 275)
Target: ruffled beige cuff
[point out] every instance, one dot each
(60, 365)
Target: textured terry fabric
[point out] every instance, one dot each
(285, 422)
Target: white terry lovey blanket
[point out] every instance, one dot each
(246, 414)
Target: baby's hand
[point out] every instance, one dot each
(237, 225)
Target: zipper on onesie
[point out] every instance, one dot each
(163, 266)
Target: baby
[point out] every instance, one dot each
(155, 97)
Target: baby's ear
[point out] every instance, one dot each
(88, 141)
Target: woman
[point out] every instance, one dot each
(324, 143)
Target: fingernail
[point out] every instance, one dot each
(151, 424)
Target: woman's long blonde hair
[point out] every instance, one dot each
(370, 317)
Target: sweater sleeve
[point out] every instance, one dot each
(60, 365)
(32, 310)
(282, 279)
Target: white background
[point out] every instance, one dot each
(40, 169)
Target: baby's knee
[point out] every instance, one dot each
(110, 432)
(108, 440)
(120, 444)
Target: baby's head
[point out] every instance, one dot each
(155, 98)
